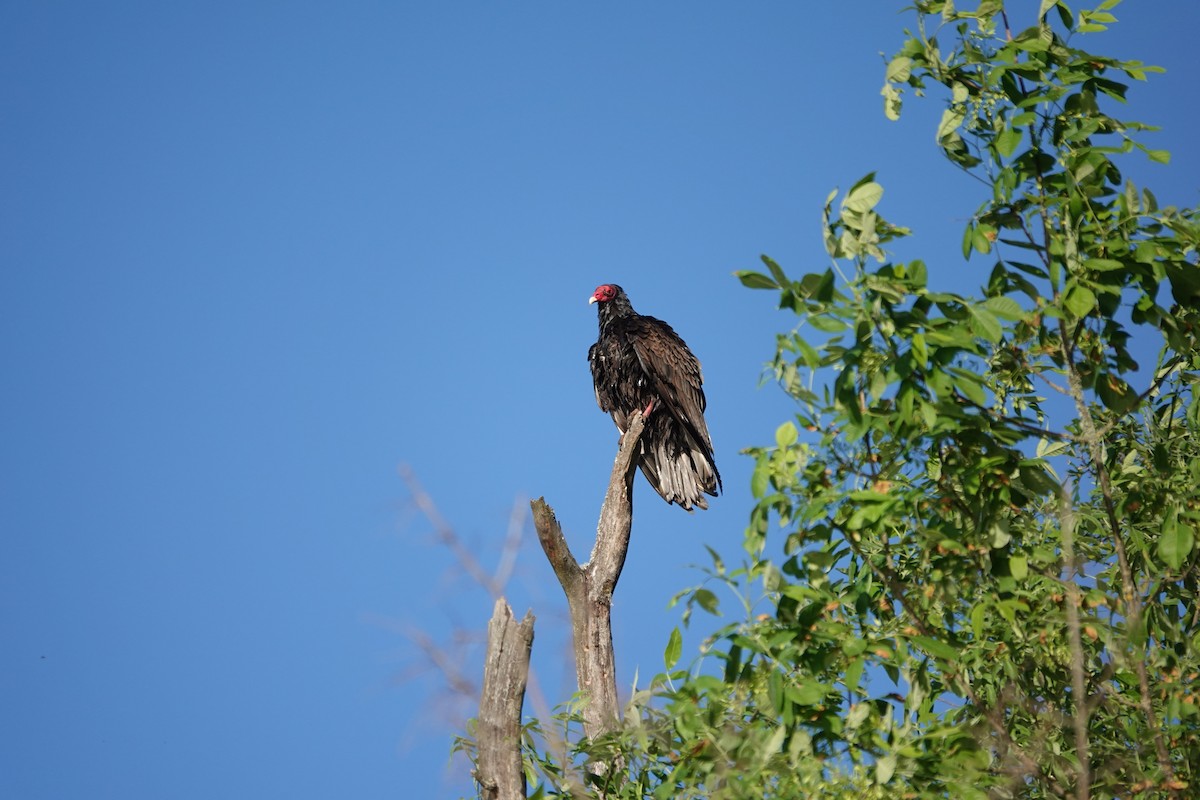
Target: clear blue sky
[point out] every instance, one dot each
(255, 256)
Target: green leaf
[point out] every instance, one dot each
(772, 745)
(1116, 394)
(853, 675)
(893, 101)
(1176, 541)
(674, 648)
(1185, 282)
(1006, 141)
(786, 435)
(863, 197)
(1034, 475)
(982, 236)
(857, 714)
(920, 350)
(1079, 301)
(708, 601)
(760, 480)
(826, 323)
(1018, 567)
(781, 279)
(1103, 264)
(718, 562)
(1004, 307)
(854, 646)
(885, 768)
(969, 384)
(807, 692)
(1000, 531)
(978, 618)
(935, 648)
(755, 280)
(811, 358)
(948, 127)
(899, 69)
(986, 324)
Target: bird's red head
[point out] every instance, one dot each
(604, 293)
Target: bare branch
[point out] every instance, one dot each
(446, 663)
(554, 544)
(493, 584)
(512, 544)
(447, 536)
(616, 515)
(589, 588)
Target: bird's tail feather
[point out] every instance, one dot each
(680, 475)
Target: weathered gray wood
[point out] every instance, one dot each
(498, 769)
(589, 588)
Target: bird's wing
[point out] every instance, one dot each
(594, 361)
(674, 374)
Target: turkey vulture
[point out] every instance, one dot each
(640, 364)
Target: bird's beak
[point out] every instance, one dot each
(591, 299)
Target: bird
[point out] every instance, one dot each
(640, 364)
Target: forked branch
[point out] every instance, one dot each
(589, 587)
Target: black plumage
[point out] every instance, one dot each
(640, 364)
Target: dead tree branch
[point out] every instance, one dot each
(446, 535)
(494, 583)
(589, 587)
(498, 770)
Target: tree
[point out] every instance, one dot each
(589, 587)
(972, 568)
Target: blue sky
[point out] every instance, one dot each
(255, 257)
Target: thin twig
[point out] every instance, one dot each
(512, 542)
(1075, 641)
(446, 663)
(1016, 422)
(1129, 589)
(494, 584)
(446, 535)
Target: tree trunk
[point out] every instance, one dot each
(499, 771)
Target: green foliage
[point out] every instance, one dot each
(972, 564)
